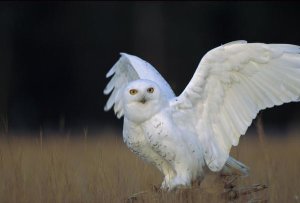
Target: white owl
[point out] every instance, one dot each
(183, 135)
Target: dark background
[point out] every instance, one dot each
(54, 56)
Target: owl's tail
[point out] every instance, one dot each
(233, 166)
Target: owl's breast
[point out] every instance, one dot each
(134, 138)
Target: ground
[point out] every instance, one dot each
(99, 168)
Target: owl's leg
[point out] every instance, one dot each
(166, 169)
(170, 145)
(176, 171)
(169, 175)
(180, 181)
(172, 178)
(175, 175)
(184, 167)
(174, 182)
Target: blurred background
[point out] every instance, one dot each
(54, 56)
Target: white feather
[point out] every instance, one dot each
(253, 77)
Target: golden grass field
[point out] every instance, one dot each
(101, 169)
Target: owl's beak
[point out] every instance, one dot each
(143, 100)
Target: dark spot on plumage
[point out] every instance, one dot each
(158, 125)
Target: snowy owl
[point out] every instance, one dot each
(185, 135)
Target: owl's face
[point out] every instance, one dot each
(142, 99)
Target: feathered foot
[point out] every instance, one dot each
(234, 193)
(229, 180)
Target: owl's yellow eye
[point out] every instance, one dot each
(150, 90)
(133, 91)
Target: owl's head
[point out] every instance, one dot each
(142, 99)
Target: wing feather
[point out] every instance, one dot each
(231, 85)
(129, 68)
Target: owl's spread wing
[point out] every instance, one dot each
(231, 85)
(127, 69)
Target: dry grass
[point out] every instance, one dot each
(102, 169)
